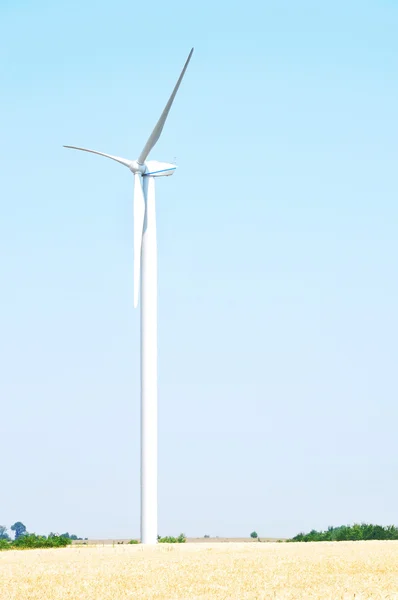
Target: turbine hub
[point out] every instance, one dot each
(135, 167)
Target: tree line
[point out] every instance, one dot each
(24, 539)
(356, 532)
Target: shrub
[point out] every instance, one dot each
(31, 540)
(181, 539)
(5, 544)
(134, 542)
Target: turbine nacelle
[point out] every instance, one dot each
(155, 168)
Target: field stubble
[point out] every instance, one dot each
(339, 570)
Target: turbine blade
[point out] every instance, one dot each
(153, 138)
(139, 215)
(123, 161)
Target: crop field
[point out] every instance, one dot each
(189, 540)
(205, 571)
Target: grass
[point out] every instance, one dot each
(322, 570)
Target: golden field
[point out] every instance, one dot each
(324, 570)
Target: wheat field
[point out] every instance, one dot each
(340, 570)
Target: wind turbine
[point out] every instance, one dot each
(145, 269)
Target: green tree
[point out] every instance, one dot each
(3, 533)
(19, 529)
(254, 535)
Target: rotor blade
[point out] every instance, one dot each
(139, 215)
(153, 138)
(123, 161)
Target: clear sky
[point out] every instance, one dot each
(278, 252)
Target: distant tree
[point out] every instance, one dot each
(3, 533)
(19, 529)
(254, 535)
(68, 536)
(206, 536)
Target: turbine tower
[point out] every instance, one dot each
(145, 270)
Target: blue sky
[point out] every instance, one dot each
(278, 251)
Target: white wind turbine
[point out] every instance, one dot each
(145, 269)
